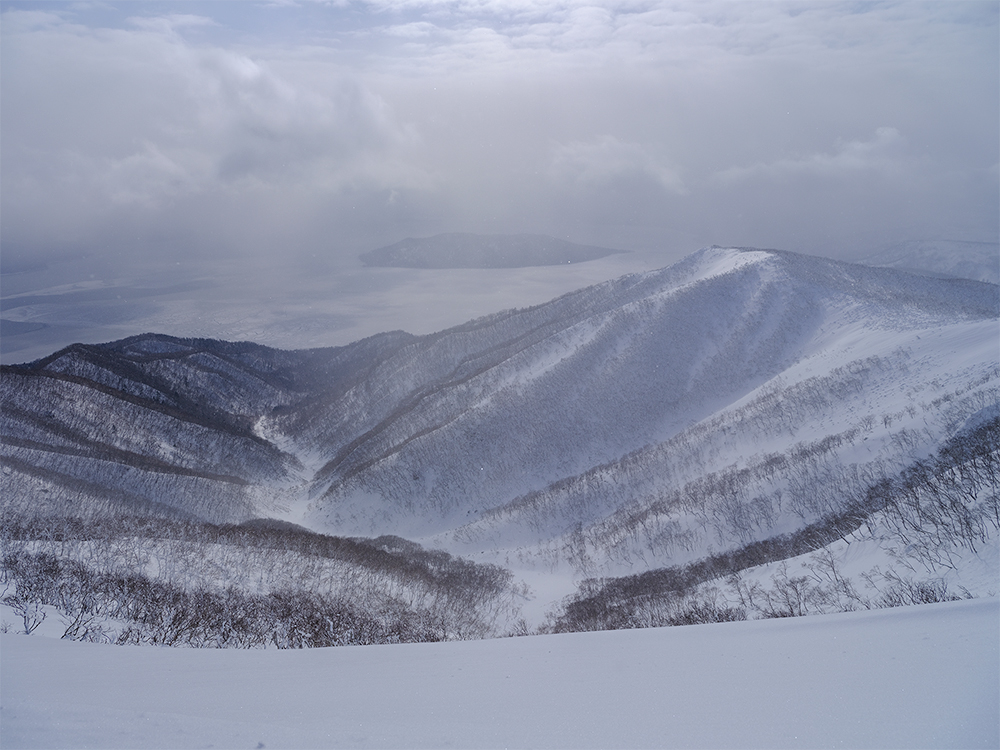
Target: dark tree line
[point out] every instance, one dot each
(947, 502)
(160, 613)
(934, 508)
(255, 584)
(388, 555)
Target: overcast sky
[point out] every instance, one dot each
(165, 129)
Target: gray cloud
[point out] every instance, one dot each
(138, 123)
(334, 128)
(606, 159)
(848, 158)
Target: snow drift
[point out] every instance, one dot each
(905, 678)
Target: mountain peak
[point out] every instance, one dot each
(423, 435)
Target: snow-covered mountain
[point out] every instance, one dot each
(950, 258)
(641, 422)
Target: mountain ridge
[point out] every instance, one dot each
(593, 400)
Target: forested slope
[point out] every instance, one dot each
(653, 422)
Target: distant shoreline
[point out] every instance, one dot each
(464, 250)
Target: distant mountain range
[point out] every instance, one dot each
(463, 250)
(645, 421)
(979, 261)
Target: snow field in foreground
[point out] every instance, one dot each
(911, 677)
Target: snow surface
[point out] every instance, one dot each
(912, 677)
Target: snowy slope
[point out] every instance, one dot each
(155, 424)
(515, 409)
(792, 450)
(643, 422)
(909, 678)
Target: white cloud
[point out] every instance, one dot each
(881, 153)
(145, 177)
(21, 21)
(607, 159)
(414, 30)
(420, 116)
(172, 22)
(155, 116)
(701, 33)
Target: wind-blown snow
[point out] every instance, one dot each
(912, 677)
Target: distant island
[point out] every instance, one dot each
(464, 250)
